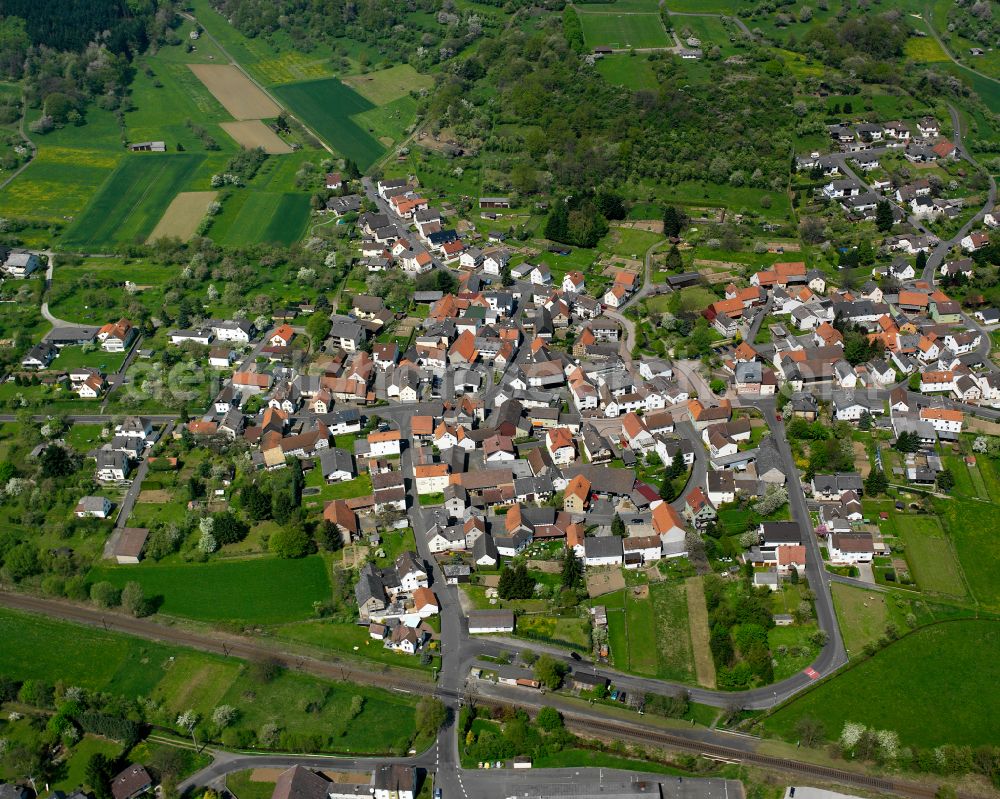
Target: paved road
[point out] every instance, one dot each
(648, 288)
(129, 500)
(936, 258)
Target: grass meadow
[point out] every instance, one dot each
(912, 687)
(972, 527)
(651, 636)
(622, 29)
(132, 200)
(930, 555)
(327, 106)
(632, 72)
(258, 590)
(386, 85)
(183, 679)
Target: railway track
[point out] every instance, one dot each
(825, 773)
(233, 646)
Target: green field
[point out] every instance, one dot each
(259, 590)
(651, 636)
(629, 242)
(633, 73)
(327, 106)
(621, 30)
(71, 164)
(182, 679)
(930, 555)
(912, 687)
(249, 217)
(132, 200)
(386, 85)
(972, 528)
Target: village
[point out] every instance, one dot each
(519, 425)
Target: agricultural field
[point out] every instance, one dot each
(261, 216)
(252, 133)
(266, 63)
(911, 687)
(166, 95)
(622, 30)
(930, 555)
(328, 107)
(698, 620)
(132, 200)
(182, 216)
(258, 590)
(71, 165)
(386, 85)
(183, 679)
(237, 93)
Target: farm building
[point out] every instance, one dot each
(148, 147)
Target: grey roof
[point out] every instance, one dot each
(605, 479)
(608, 546)
(782, 533)
(768, 457)
(481, 619)
(369, 585)
(485, 546)
(335, 459)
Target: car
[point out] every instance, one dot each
(437, 793)
(621, 696)
(575, 656)
(614, 695)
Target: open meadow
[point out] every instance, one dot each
(621, 30)
(254, 591)
(930, 555)
(912, 687)
(310, 710)
(385, 85)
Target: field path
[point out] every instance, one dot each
(250, 78)
(704, 665)
(928, 18)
